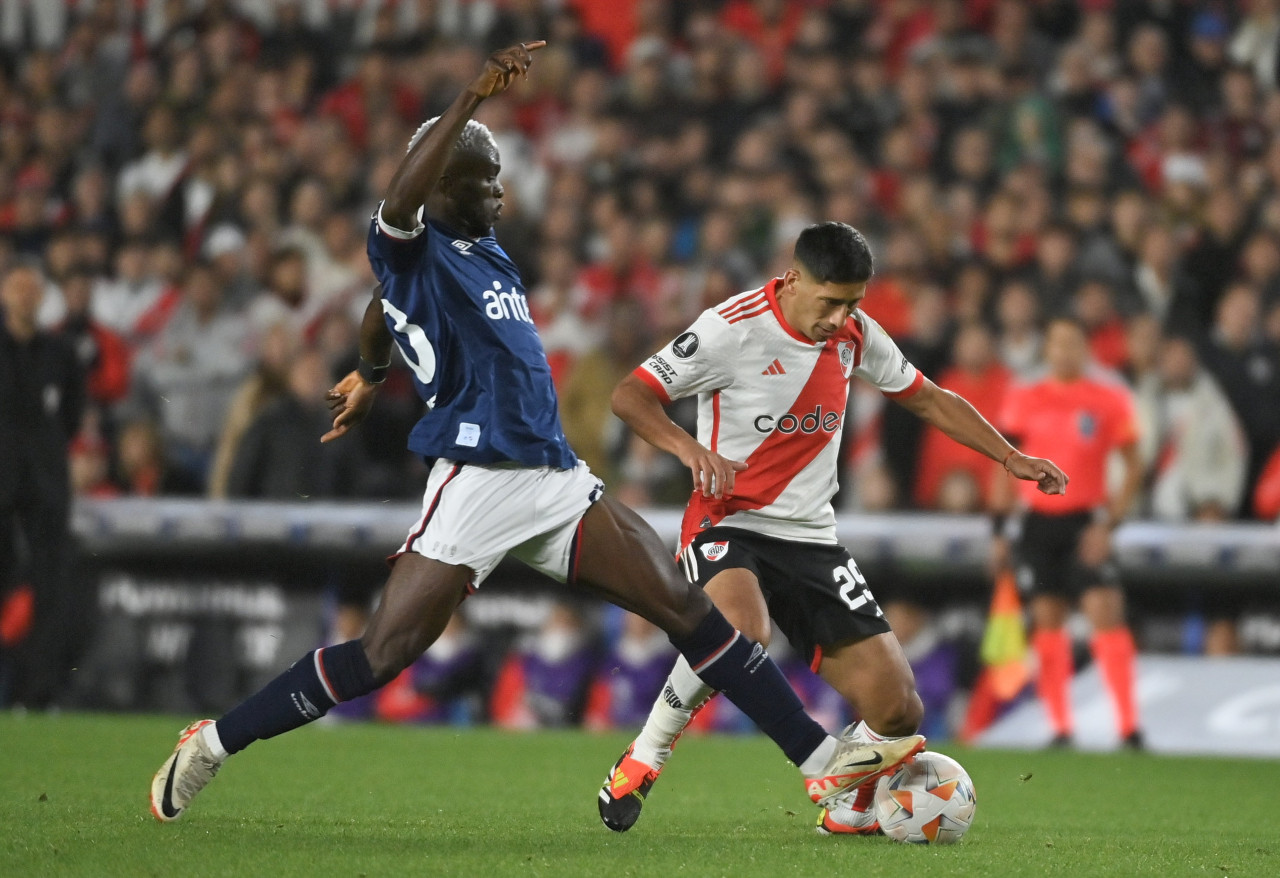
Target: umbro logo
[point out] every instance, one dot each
(775, 368)
(462, 246)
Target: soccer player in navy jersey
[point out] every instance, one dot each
(502, 479)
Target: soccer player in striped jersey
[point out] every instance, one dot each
(771, 370)
(503, 478)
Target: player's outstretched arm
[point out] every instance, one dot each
(422, 168)
(635, 403)
(953, 415)
(352, 397)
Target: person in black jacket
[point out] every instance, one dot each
(279, 457)
(41, 401)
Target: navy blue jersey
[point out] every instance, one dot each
(457, 309)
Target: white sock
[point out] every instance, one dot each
(666, 720)
(688, 686)
(816, 762)
(213, 742)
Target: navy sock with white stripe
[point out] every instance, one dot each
(303, 693)
(743, 671)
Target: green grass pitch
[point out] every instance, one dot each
(355, 800)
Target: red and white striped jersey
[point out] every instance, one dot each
(776, 400)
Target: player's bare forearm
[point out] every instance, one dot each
(955, 416)
(641, 409)
(351, 398)
(421, 169)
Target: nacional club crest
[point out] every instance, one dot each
(845, 349)
(715, 551)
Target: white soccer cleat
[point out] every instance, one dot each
(854, 763)
(186, 772)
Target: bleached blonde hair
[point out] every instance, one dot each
(475, 137)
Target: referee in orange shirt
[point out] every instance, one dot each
(1077, 418)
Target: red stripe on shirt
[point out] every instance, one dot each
(763, 309)
(757, 298)
(715, 421)
(781, 456)
(910, 390)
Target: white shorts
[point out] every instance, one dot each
(473, 515)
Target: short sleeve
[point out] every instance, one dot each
(392, 250)
(698, 360)
(883, 364)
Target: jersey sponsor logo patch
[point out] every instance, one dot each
(461, 246)
(774, 368)
(845, 349)
(686, 345)
(503, 305)
(814, 421)
(715, 551)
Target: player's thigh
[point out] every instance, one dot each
(875, 677)
(621, 558)
(736, 593)
(416, 604)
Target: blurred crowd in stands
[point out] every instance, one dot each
(195, 181)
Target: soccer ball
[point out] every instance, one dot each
(929, 801)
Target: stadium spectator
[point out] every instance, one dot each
(1192, 445)
(278, 457)
(188, 373)
(1247, 367)
(545, 680)
(41, 403)
(978, 376)
(630, 675)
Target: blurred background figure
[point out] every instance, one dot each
(545, 679)
(42, 394)
(1191, 442)
(630, 675)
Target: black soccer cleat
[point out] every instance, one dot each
(623, 793)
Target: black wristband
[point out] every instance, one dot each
(372, 374)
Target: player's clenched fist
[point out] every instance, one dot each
(502, 67)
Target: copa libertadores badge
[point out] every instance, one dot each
(686, 345)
